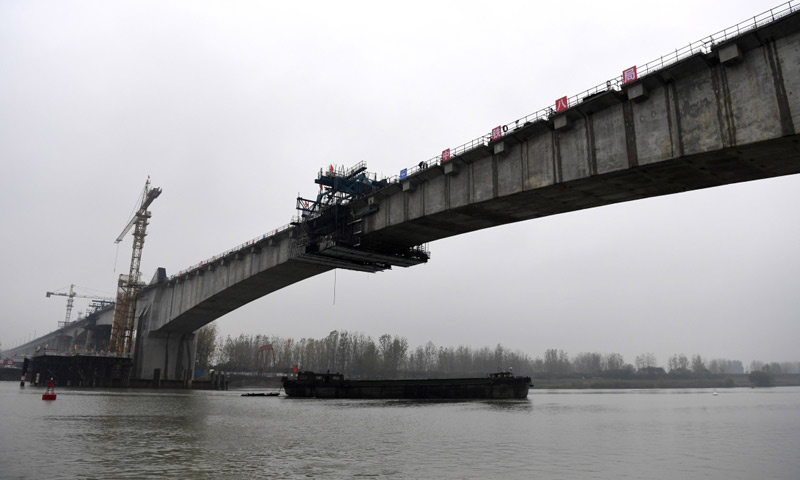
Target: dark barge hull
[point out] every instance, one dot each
(495, 386)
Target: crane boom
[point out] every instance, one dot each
(90, 297)
(126, 229)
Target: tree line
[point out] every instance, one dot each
(351, 353)
(390, 356)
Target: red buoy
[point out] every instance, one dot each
(50, 392)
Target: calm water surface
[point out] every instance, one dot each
(658, 434)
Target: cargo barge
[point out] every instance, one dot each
(502, 385)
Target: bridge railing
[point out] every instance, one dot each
(704, 45)
(701, 46)
(230, 251)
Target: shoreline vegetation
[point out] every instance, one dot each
(266, 380)
(716, 381)
(255, 358)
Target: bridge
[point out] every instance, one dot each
(720, 111)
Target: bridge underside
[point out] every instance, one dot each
(241, 293)
(717, 117)
(745, 163)
(170, 345)
(732, 165)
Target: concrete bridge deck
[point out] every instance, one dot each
(727, 115)
(724, 114)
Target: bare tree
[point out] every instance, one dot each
(645, 361)
(678, 363)
(613, 362)
(698, 366)
(206, 346)
(587, 363)
(556, 362)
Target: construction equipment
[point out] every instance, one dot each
(97, 302)
(338, 186)
(330, 227)
(129, 285)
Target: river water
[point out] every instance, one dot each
(580, 434)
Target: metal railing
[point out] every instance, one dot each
(704, 46)
(230, 251)
(701, 46)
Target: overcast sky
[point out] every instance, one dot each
(232, 108)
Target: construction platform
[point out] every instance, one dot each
(102, 371)
(81, 370)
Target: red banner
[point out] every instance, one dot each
(629, 75)
(561, 104)
(497, 132)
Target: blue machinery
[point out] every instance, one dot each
(331, 225)
(337, 187)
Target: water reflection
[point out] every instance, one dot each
(564, 434)
(497, 405)
(510, 406)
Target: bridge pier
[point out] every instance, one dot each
(171, 354)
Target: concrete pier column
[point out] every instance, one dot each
(172, 353)
(88, 342)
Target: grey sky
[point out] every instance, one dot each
(232, 108)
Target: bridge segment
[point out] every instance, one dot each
(727, 115)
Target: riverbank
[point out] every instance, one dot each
(236, 382)
(541, 382)
(716, 381)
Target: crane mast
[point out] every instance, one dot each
(128, 285)
(71, 298)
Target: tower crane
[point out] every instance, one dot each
(129, 285)
(70, 299)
